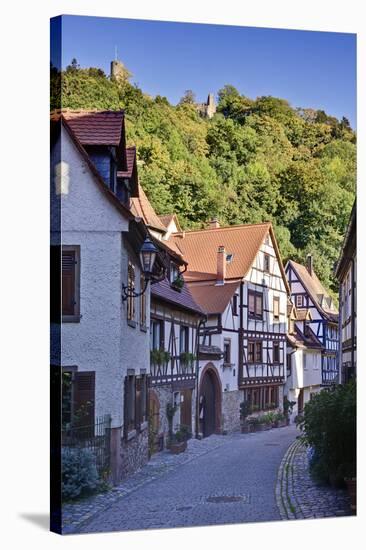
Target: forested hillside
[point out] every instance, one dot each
(255, 160)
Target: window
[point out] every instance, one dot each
(142, 303)
(235, 304)
(304, 360)
(184, 339)
(131, 287)
(262, 398)
(227, 352)
(255, 304)
(157, 334)
(299, 300)
(276, 308)
(70, 281)
(78, 400)
(266, 263)
(276, 352)
(258, 352)
(255, 351)
(173, 272)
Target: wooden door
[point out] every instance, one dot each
(154, 421)
(207, 405)
(186, 409)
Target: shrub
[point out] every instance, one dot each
(329, 427)
(79, 473)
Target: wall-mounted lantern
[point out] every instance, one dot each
(147, 254)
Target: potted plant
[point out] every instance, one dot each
(280, 420)
(265, 422)
(187, 360)
(244, 412)
(159, 360)
(287, 409)
(178, 443)
(178, 283)
(171, 409)
(253, 424)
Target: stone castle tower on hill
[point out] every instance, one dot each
(119, 72)
(207, 109)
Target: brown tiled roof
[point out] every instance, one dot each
(141, 207)
(182, 299)
(316, 290)
(211, 297)
(200, 249)
(130, 161)
(93, 127)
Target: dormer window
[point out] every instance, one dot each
(174, 273)
(229, 258)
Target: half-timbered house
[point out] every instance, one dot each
(309, 295)
(236, 275)
(174, 325)
(346, 273)
(304, 360)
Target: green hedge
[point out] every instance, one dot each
(329, 428)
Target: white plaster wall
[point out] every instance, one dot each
(102, 341)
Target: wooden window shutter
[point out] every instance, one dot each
(55, 284)
(68, 282)
(83, 409)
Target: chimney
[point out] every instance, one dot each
(213, 223)
(221, 266)
(309, 264)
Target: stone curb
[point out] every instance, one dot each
(287, 503)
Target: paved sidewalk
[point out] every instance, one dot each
(298, 497)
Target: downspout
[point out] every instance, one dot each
(198, 332)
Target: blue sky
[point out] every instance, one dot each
(309, 69)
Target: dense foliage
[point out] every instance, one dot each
(329, 427)
(255, 160)
(79, 473)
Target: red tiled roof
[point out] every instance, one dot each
(141, 207)
(94, 127)
(183, 299)
(213, 298)
(316, 290)
(200, 249)
(130, 160)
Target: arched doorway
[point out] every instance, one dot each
(210, 402)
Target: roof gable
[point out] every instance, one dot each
(315, 290)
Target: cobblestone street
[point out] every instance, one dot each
(222, 479)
